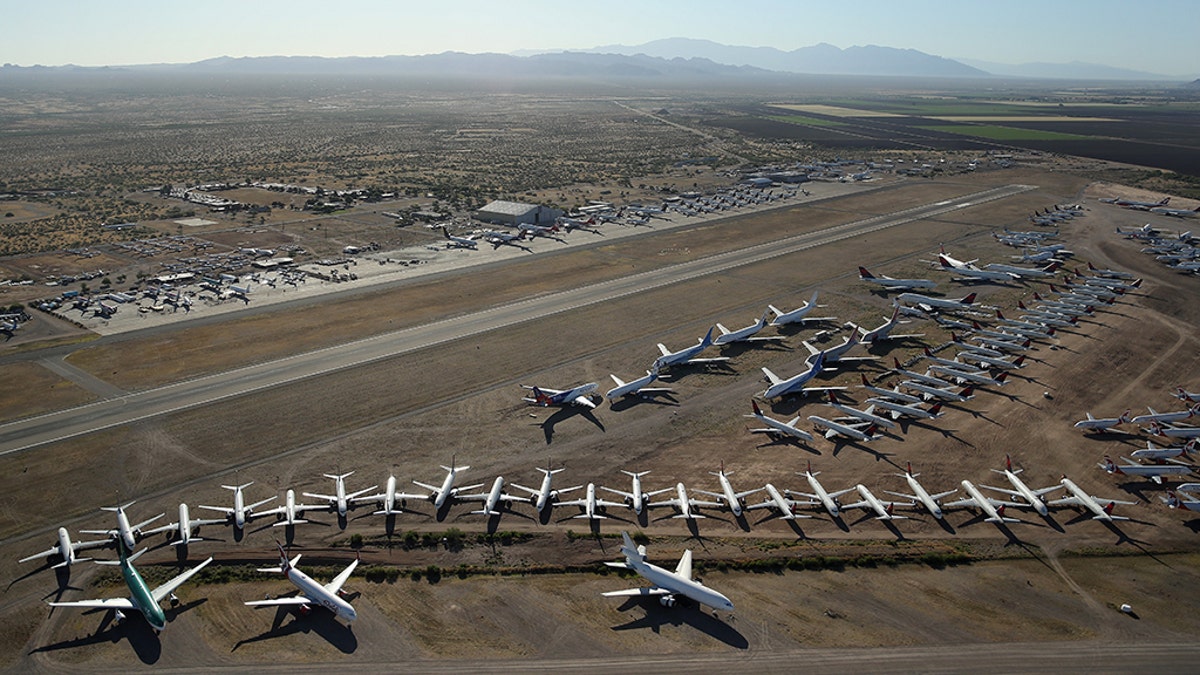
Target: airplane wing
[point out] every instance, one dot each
(708, 359)
(646, 592)
(336, 585)
(139, 526)
(164, 528)
(221, 509)
(684, 568)
(167, 588)
(583, 401)
(274, 602)
(627, 495)
(701, 503)
(44, 554)
(106, 603)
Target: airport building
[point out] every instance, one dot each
(513, 213)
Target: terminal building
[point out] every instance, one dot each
(514, 213)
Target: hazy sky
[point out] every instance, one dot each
(1161, 36)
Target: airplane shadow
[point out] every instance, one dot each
(62, 575)
(565, 413)
(890, 525)
(794, 442)
(321, 622)
(684, 612)
(628, 402)
(879, 456)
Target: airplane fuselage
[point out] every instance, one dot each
(316, 593)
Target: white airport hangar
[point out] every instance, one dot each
(513, 213)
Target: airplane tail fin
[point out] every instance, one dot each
(632, 552)
(707, 338)
(863, 273)
(1002, 377)
(968, 299)
(1020, 360)
(757, 410)
(936, 409)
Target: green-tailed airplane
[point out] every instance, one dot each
(140, 597)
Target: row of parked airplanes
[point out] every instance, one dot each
(1177, 251)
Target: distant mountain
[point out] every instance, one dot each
(821, 59)
(1074, 70)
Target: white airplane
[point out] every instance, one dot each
(459, 242)
(836, 354)
(831, 430)
(1157, 454)
(241, 513)
(66, 549)
(932, 503)
(579, 396)
(1136, 205)
(928, 304)
(747, 334)
(1177, 213)
(891, 284)
(925, 378)
(592, 507)
(532, 231)
(899, 410)
(312, 592)
(340, 500)
(1111, 274)
(1060, 311)
(1185, 395)
(1103, 423)
(636, 387)
(128, 534)
(971, 272)
(684, 504)
(439, 495)
(819, 495)
(1174, 431)
(992, 508)
(497, 239)
(1024, 272)
(989, 361)
(141, 597)
(1027, 326)
(798, 315)
(391, 502)
(1154, 472)
(1168, 417)
(291, 513)
(545, 495)
(1021, 490)
(883, 331)
(666, 585)
(1175, 500)
(893, 394)
(943, 393)
(883, 510)
(776, 428)
(783, 504)
(636, 499)
(1081, 499)
(795, 384)
(962, 376)
(493, 500)
(687, 357)
(734, 500)
(867, 415)
(186, 527)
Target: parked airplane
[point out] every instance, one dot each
(126, 533)
(592, 507)
(931, 503)
(1177, 500)
(493, 500)
(1140, 206)
(66, 549)
(439, 495)
(459, 242)
(1167, 417)
(141, 598)
(893, 394)
(498, 239)
(867, 415)
(637, 498)
(1185, 395)
(899, 410)
(891, 284)
(1024, 272)
(943, 393)
(798, 315)
(688, 356)
(545, 495)
(795, 384)
(684, 504)
(783, 504)
(864, 432)
(836, 354)
(1103, 423)
(929, 304)
(578, 396)
(1081, 499)
(1171, 431)
(883, 510)
(730, 498)
(1021, 490)
(820, 495)
(992, 508)
(1154, 472)
(973, 377)
(241, 513)
(747, 334)
(970, 271)
(1178, 213)
(1157, 454)
(340, 500)
(532, 231)
(666, 585)
(186, 527)
(291, 513)
(312, 592)
(1111, 274)
(636, 387)
(776, 428)
(883, 332)
(390, 502)
(991, 362)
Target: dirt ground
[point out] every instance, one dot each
(410, 414)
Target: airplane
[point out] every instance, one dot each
(569, 224)
(927, 303)
(1167, 417)
(1024, 272)
(1139, 206)
(917, 377)
(979, 377)
(795, 384)
(882, 509)
(1175, 501)
(834, 429)
(930, 502)
(636, 387)
(992, 508)
(783, 504)
(687, 357)
(185, 527)
(1185, 395)
(1102, 424)
(579, 396)
(497, 239)
(970, 271)
(684, 504)
(1051, 319)
(798, 315)
(459, 242)
(1170, 431)
(291, 513)
(66, 549)
(439, 495)
(1158, 454)
(493, 500)
(241, 512)
(899, 410)
(776, 428)
(1027, 326)
(141, 598)
(592, 507)
(1079, 498)
(126, 533)
(819, 495)
(1021, 490)
(546, 496)
(836, 354)
(665, 584)
(949, 363)
(893, 394)
(883, 331)
(1111, 274)
(891, 284)
(1177, 213)
(976, 357)
(636, 499)
(391, 502)
(944, 393)
(747, 334)
(548, 232)
(1058, 309)
(312, 592)
(734, 500)
(340, 500)
(867, 415)
(1154, 472)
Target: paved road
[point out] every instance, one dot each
(65, 424)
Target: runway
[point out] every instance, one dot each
(65, 424)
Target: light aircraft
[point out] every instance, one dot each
(928, 304)
(459, 242)
(734, 500)
(391, 502)
(545, 495)
(1103, 423)
(1079, 498)
(883, 510)
(684, 504)
(798, 315)
(291, 513)
(776, 428)
(493, 500)
(883, 331)
(834, 429)
(1171, 431)
(579, 396)
(636, 387)
(899, 410)
(439, 495)
(820, 495)
(636, 498)
(340, 500)
(688, 356)
(665, 584)
(128, 534)
(783, 504)
(836, 354)
(894, 284)
(1157, 454)
(185, 528)
(1154, 472)
(592, 507)
(930, 502)
(241, 512)
(867, 415)
(893, 394)
(66, 549)
(747, 334)
(312, 592)
(1168, 417)
(141, 597)
(1021, 490)
(992, 508)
